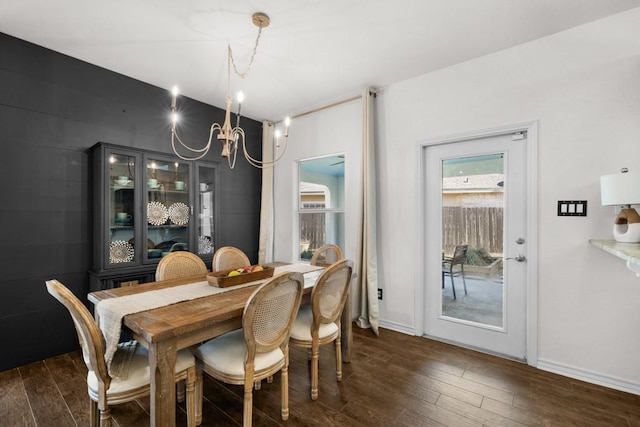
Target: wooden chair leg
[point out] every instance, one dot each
(190, 386)
(198, 397)
(338, 358)
(284, 379)
(180, 391)
(314, 371)
(247, 412)
(105, 417)
(94, 414)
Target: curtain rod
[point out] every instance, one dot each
(335, 104)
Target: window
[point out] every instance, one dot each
(321, 203)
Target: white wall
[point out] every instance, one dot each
(333, 131)
(583, 86)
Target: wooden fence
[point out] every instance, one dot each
(312, 230)
(479, 227)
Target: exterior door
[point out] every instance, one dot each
(475, 243)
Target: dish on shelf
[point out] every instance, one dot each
(154, 253)
(157, 213)
(150, 244)
(204, 245)
(120, 251)
(179, 213)
(170, 244)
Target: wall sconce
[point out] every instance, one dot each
(623, 189)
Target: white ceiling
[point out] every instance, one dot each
(313, 53)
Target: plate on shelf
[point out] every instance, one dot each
(179, 213)
(157, 213)
(120, 251)
(204, 245)
(154, 253)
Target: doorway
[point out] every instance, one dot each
(478, 241)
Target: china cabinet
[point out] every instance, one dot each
(147, 205)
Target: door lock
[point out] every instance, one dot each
(520, 240)
(519, 258)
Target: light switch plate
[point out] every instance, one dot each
(572, 208)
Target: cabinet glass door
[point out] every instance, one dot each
(168, 208)
(206, 183)
(121, 209)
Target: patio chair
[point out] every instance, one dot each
(454, 266)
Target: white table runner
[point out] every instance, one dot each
(112, 310)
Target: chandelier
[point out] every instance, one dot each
(230, 137)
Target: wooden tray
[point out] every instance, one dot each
(221, 280)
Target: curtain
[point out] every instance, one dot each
(367, 254)
(265, 249)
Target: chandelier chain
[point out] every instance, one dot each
(255, 49)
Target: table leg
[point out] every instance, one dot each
(162, 361)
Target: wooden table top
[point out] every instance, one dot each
(184, 317)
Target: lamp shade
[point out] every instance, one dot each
(620, 189)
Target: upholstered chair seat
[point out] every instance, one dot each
(137, 378)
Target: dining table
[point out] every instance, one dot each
(168, 328)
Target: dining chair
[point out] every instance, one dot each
(326, 255)
(258, 350)
(180, 264)
(318, 323)
(176, 265)
(133, 383)
(454, 266)
(229, 257)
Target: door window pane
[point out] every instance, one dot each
(472, 239)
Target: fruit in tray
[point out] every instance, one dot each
(245, 270)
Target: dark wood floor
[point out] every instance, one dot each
(392, 380)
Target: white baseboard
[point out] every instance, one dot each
(398, 327)
(590, 376)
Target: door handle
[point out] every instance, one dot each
(519, 258)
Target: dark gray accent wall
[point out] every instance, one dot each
(52, 109)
